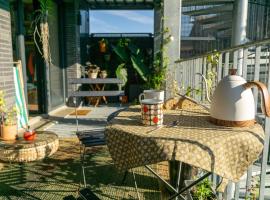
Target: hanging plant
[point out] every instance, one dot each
(41, 29)
(103, 45)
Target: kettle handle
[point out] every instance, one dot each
(265, 95)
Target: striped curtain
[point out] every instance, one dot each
(22, 116)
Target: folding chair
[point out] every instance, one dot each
(88, 138)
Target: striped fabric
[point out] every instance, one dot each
(22, 116)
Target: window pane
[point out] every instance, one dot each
(121, 21)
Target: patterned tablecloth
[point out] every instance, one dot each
(45, 144)
(223, 150)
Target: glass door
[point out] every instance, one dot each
(55, 70)
(39, 83)
(22, 17)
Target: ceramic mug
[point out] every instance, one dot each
(152, 94)
(152, 112)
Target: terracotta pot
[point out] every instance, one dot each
(9, 132)
(102, 47)
(92, 74)
(103, 74)
(124, 99)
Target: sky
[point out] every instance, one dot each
(121, 21)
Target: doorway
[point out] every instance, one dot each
(43, 87)
(22, 16)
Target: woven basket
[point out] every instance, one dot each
(45, 145)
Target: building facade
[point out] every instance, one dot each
(6, 57)
(45, 85)
(208, 25)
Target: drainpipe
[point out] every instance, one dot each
(240, 14)
(21, 44)
(172, 21)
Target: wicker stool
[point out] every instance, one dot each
(45, 144)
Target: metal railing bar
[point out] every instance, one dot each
(248, 182)
(245, 57)
(204, 71)
(226, 64)
(264, 156)
(236, 193)
(265, 149)
(230, 49)
(257, 73)
(235, 58)
(220, 67)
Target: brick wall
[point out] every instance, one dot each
(6, 72)
(72, 42)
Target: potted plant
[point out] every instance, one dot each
(136, 64)
(41, 29)
(107, 57)
(103, 45)
(103, 74)
(160, 65)
(8, 120)
(202, 191)
(121, 73)
(131, 55)
(93, 70)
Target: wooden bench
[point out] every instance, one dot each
(97, 91)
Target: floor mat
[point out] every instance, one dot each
(81, 112)
(59, 176)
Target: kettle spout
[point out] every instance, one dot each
(206, 86)
(265, 95)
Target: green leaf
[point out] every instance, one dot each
(133, 48)
(139, 67)
(121, 52)
(121, 73)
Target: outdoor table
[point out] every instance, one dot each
(97, 86)
(45, 144)
(225, 151)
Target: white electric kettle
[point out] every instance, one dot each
(232, 103)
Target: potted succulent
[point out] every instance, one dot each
(103, 74)
(93, 70)
(8, 122)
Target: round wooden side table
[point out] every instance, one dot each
(20, 150)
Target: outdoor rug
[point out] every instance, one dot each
(59, 176)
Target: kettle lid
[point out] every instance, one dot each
(234, 78)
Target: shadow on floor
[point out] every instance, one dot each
(59, 176)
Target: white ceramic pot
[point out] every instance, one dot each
(152, 94)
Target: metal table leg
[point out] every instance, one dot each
(168, 185)
(191, 185)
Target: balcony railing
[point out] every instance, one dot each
(254, 59)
